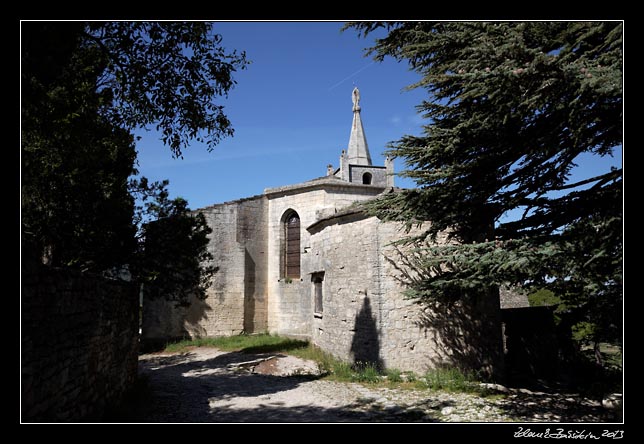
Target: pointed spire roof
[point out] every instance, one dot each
(358, 152)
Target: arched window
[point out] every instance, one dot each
(292, 245)
(366, 178)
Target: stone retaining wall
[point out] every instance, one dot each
(79, 344)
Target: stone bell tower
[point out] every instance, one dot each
(355, 162)
(358, 152)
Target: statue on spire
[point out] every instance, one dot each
(356, 99)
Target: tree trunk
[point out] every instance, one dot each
(598, 356)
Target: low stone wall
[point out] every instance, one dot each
(513, 298)
(79, 344)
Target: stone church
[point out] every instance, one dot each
(302, 261)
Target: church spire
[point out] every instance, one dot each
(358, 152)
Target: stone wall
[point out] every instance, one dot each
(351, 323)
(289, 304)
(378, 174)
(366, 315)
(367, 318)
(248, 293)
(79, 344)
(223, 311)
(513, 298)
(236, 301)
(251, 232)
(164, 322)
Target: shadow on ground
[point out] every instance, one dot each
(179, 388)
(556, 407)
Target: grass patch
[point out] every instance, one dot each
(329, 365)
(341, 371)
(451, 380)
(335, 369)
(332, 368)
(490, 396)
(261, 343)
(394, 375)
(181, 346)
(366, 372)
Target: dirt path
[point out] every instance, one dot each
(209, 385)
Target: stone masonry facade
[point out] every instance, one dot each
(366, 316)
(236, 302)
(348, 296)
(79, 344)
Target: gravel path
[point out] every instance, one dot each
(210, 385)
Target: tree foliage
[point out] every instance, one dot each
(165, 73)
(174, 261)
(84, 87)
(511, 108)
(76, 208)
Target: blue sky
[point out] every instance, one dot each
(291, 111)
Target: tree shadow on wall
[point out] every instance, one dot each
(249, 293)
(195, 314)
(177, 270)
(465, 330)
(464, 336)
(365, 345)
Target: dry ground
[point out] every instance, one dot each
(210, 385)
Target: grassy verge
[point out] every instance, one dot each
(334, 369)
(451, 380)
(261, 343)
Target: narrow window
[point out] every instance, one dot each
(366, 178)
(292, 246)
(318, 292)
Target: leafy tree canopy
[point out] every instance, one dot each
(511, 108)
(167, 74)
(84, 87)
(174, 261)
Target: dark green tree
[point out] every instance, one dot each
(174, 262)
(165, 73)
(511, 108)
(84, 87)
(76, 208)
